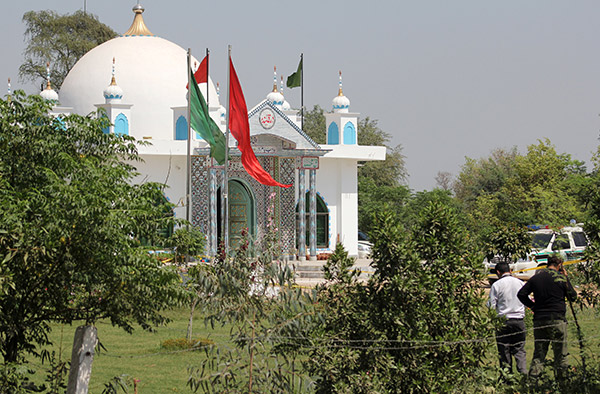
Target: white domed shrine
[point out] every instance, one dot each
(139, 82)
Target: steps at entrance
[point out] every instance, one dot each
(309, 269)
(314, 269)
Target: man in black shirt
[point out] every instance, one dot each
(549, 288)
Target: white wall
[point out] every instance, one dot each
(171, 170)
(337, 184)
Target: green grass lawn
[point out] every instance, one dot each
(588, 321)
(140, 356)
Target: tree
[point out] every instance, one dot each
(269, 316)
(515, 190)
(406, 330)
(443, 180)
(314, 124)
(391, 171)
(70, 228)
(484, 176)
(60, 40)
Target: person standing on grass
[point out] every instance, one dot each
(550, 288)
(510, 338)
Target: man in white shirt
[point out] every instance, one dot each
(511, 337)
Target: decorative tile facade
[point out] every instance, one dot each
(282, 168)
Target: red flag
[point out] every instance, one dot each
(238, 124)
(201, 74)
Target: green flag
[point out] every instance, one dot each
(295, 79)
(203, 124)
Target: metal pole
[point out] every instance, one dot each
(302, 92)
(226, 185)
(207, 65)
(189, 142)
(579, 333)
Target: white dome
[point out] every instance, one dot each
(341, 103)
(153, 72)
(49, 94)
(276, 98)
(285, 106)
(113, 93)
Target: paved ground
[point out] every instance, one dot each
(310, 274)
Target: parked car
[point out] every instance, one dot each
(570, 242)
(362, 236)
(364, 249)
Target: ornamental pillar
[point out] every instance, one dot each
(212, 202)
(302, 215)
(313, 214)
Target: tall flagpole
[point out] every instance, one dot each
(189, 142)
(207, 66)
(226, 185)
(302, 92)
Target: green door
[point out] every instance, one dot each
(241, 212)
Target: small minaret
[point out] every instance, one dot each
(113, 93)
(340, 103)
(342, 125)
(8, 96)
(49, 94)
(275, 97)
(118, 113)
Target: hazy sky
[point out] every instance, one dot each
(447, 79)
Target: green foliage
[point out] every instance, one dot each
(485, 176)
(15, 379)
(184, 343)
(503, 193)
(391, 171)
(339, 266)
(70, 224)
(374, 198)
(509, 241)
(404, 331)
(269, 319)
(60, 40)
(314, 124)
(187, 241)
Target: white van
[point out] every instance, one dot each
(570, 242)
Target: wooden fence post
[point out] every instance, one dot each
(82, 356)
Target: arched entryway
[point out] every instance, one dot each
(242, 212)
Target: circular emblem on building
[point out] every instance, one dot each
(267, 118)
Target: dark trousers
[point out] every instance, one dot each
(548, 332)
(511, 343)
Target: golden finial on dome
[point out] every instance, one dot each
(113, 81)
(48, 87)
(138, 27)
(340, 93)
(275, 79)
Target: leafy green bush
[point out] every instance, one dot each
(184, 343)
(408, 329)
